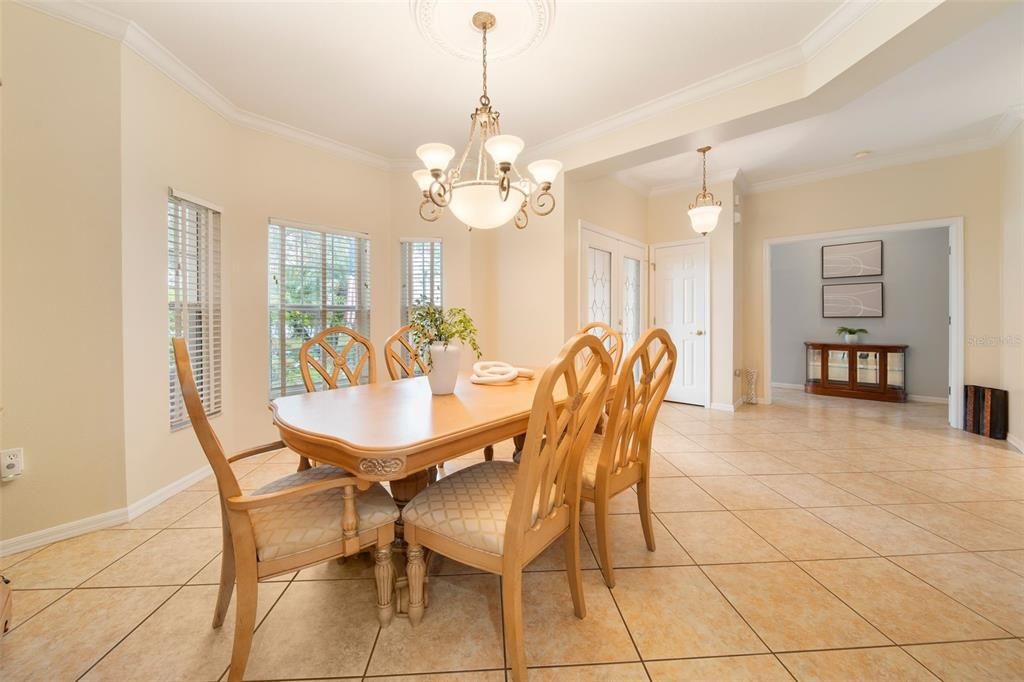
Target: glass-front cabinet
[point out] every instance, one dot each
(856, 371)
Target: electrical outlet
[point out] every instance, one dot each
(12, 463)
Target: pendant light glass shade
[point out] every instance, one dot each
(423, 178)
(435, 155)
(704, 218)
(545, 170)
(504, 148)
(481, 206)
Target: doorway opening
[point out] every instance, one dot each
(920, 304)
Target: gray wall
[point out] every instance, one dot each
(916, 277)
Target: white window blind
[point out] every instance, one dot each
(317, 279)
(193, 301)
(420, 274)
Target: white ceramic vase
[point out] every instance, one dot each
(852, 338)
(444, 371)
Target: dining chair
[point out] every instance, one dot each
(621, 457)
(497, 516)
(341, 356)
(297, 521)
(403, 360)
(609, 337)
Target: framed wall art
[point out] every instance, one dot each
(855, 259)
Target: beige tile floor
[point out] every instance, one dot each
(813, 539)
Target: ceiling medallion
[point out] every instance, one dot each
(444, 24)
(484, 190)
(705, 208)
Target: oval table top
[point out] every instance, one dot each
(401, 419)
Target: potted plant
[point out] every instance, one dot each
(435, 333)
(850, 333)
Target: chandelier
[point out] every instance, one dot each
(704, 210)
(494, 192)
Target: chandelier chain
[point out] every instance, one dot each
(484, 99)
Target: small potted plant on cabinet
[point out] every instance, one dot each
(850, 333)
(436, 333)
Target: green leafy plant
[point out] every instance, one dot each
(431, 324)
(850, 330)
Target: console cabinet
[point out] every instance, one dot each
(856, 371)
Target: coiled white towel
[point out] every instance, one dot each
(495, 372)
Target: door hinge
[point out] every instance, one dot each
(949, 390)
(654, 266)
(654, 320)
(950, 320)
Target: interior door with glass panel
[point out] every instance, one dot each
(613, 284)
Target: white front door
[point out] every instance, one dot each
(680, 306)
(613, 284)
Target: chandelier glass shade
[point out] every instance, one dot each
(704, 210)
(484, 190)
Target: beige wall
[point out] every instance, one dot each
(62, 363)
(1012, 334)
(604, 202)
(968, 185)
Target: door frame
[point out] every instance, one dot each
(955, 226)
(708, 319)
(611, 234)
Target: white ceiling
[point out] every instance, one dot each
(363, 73)
(967, 95)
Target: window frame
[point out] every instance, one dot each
(406, 304)
(363, 307)
(207, 364)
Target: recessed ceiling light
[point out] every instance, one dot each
(862, 153)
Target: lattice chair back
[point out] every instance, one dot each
(338, 356)
(640, 388)
(569, 400)
(222, 471)
(609, 337)
(401, 357)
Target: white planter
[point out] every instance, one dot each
(445, 369)
(852, 338)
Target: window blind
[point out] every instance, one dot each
(316, 279)
(420, 275)
(193, 301)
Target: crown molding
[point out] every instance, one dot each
(837, 23)
(1000, 132)
(723, 176)
(135, 38)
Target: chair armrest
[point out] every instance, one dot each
(258, 450)
(247, 502)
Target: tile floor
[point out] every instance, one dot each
(813, 539)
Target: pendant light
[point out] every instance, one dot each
(704, 210)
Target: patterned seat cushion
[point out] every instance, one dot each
(590, 460)
(471, 506)
(314, 520)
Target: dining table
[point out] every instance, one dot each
(399, 431)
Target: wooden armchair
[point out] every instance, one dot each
(340, 356)
(338, 515)
(403, 361)
(621, 457)
(497, 516)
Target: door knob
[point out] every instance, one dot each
(699, 332)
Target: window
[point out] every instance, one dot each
(317, 279)
(193, 301)
(421, 274)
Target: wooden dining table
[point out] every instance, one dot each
(397, 431)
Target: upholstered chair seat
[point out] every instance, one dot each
(314, 520)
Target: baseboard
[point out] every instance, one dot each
(108, 519)
(798, 387)
(724, 407)
(1015, 441)
(927, 399)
